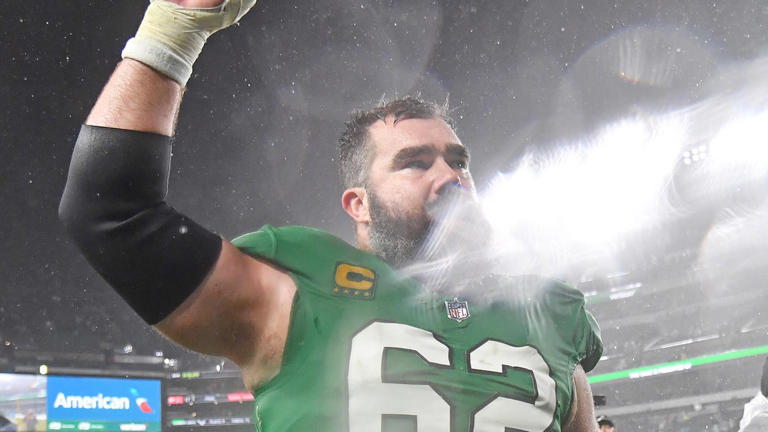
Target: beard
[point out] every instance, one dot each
(445, 244)
(395, 237)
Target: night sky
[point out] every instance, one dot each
(267, 100)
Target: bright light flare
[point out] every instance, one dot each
(739, 152)
(588, 194)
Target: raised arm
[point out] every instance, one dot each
(193, 286)
(138, 98)
(144, 92)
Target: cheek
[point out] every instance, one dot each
(405, 198)
(404, 186)
(414, 193)
(399, 197)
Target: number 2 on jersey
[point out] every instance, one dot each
(370, 397)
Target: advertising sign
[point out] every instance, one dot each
(103, 404)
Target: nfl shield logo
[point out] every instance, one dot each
(457, 310)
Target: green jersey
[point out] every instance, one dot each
(371, 350)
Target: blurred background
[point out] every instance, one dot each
(618, 145)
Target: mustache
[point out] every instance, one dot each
(455, 248)
(456, 223)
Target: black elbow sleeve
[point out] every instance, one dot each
(113, 207)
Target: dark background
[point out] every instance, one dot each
(259, 122)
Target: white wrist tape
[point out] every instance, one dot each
(171, 37)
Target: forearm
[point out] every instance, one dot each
(144, 92)
(138, 98)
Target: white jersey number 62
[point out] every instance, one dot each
(370, 398)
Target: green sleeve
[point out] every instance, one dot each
(574, 322)
(591, 342)
(303, 251)
(297, 249)
(259, 244)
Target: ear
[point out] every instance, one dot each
(355, 203)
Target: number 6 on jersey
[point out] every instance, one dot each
(371, 398)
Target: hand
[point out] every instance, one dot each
(173, 32)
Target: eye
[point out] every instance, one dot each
(416, 163)
(459, 164)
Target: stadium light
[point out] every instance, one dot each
(677, 366)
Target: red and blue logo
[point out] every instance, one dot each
(457, 310)
(141, 402)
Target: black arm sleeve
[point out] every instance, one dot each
(113, 208)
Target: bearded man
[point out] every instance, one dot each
(328, 336)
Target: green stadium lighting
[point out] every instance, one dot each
(677, 366)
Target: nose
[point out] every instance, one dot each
(445, 176)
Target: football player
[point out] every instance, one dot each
(330, 337)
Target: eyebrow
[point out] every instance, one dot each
(452, 149)
(457, 150)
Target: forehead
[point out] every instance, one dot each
(387, 137)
